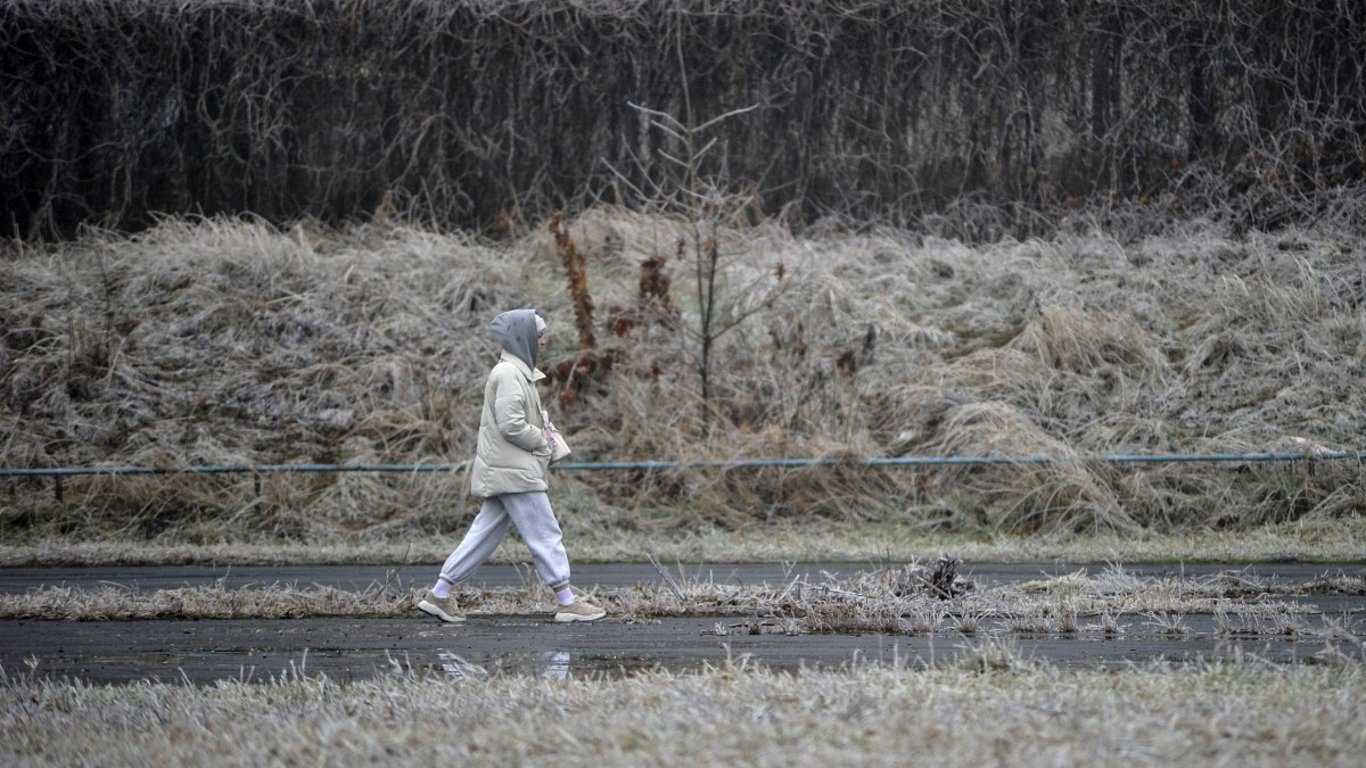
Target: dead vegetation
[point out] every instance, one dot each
(909, 599)
(994, 707)
(232, 342)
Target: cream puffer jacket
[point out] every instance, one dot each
(512, 454)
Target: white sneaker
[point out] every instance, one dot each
(579, 610)
(443, 608)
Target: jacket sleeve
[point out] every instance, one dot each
(510, 412)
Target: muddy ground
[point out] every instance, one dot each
(351, 648)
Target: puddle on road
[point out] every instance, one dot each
(201, 652)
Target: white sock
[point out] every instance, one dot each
(442, 589)
(565, 595)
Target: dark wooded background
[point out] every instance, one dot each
(978, 117)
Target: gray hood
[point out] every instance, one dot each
(516, 331)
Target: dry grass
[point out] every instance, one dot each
(906, 599)
(231, 341)
(990, 709)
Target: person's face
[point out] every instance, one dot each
(540, 339)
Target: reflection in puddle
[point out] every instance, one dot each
(457, 668)
(552, 665)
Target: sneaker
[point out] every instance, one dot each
(443, 608)
(579, 610)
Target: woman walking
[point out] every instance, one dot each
(509, 473)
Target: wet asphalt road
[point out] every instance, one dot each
(352, 649)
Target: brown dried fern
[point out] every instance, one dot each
(576, 271)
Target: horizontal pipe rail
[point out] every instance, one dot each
(891, 461)
(59, 474)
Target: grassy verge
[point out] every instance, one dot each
(905, 599)
(991, 709)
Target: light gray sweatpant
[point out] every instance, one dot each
(535, 520)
